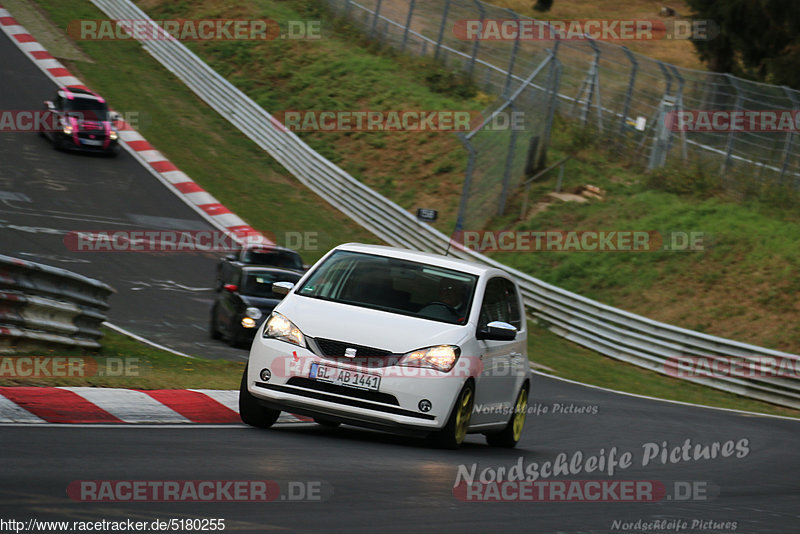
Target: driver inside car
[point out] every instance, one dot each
(450, 304)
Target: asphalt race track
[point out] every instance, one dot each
(44, 194)
(373, 482)
(365, 481)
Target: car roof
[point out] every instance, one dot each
(255, 269)
(72, 91)
(269, 248)
(439, 260)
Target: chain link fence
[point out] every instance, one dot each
(626, 97)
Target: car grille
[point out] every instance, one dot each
(374, 396)
(336, 349)
(92, 126)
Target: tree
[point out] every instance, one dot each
(758, 39)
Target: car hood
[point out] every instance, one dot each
(263, 304)
(363, 326)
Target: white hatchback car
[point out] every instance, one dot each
(396, 340)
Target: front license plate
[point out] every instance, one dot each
(345, 377)
(92, 142)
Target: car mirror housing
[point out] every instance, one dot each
(231, 288)
(497, 331)
(282, 288)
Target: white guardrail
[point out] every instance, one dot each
(43, 306)
(610, 331)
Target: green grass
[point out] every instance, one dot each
(126, 363)
(743, 286)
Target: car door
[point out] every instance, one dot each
(501, 361)
(228, 308)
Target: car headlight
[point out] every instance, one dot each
(279, 327)
(253, 313)
(441, 357)
(113, 135)
(68, 129)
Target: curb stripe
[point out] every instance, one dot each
(195, 406)
(164, 166)
(189, 187)
(57, 405)
(10, 412)
(129, 406)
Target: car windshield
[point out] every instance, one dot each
(259, 284)
(86, 109)
(393, 285)
(285, 259)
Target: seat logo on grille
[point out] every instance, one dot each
(350, 353)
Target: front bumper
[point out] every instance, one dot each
(86, 145)
(394, 406)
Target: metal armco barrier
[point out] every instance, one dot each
(43, 306)
(610, 331)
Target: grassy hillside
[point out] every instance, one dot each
(741, 286)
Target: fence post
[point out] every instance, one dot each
(554, 81)
(476, 44)
(375, 18)
(679, 108)
(732, 135)
(590, 85)
(501, 208)
(445, 12)
(462, 207)
(626, 106)
(408, 24)
(787, 147)
(513, 58)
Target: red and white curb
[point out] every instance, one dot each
(124, 406)
(153, 160)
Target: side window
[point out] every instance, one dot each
(500, 303)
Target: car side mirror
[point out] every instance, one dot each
(49, 104)
(230, 288)
(497, 331)
(282, 288)
(114, 116)
(231, 257)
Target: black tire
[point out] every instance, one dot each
(454, 432)
(251, 412)
(510, 435)
(58, 144)
(329, 423)
(213, 326)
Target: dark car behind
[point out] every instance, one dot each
(245, 301)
